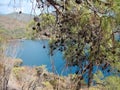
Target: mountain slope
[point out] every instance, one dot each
(10, 23)
(21, 17)
(14, 25)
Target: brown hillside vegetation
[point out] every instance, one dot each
(10, 23)
(20, 17)
(13, 26)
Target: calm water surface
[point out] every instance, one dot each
(33, 54)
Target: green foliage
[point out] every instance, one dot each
(107, 83)
(48, 85)
(40, 25)
(112, 82)
(18, 72)
(85, 31)
(18, 62)
(41, 69)
(98, 77)
(30, 33)
(12, 34)
(47, 20)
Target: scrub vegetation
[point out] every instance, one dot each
(84, 31)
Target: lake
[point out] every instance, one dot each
(33, 54)
(36, 53)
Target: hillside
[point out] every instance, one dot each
(15, 20)
(10, 23)
(14, 25)
(21, 17)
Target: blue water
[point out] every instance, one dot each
(33, 54)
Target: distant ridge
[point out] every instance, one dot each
(14, 20)
(21, 17)
(14, 25)
(11, 23)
